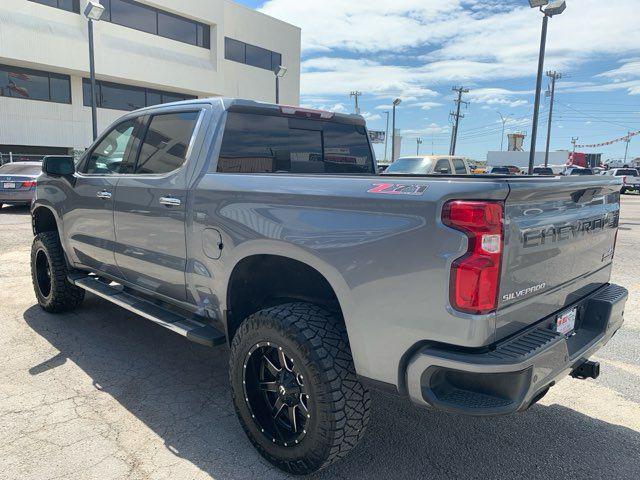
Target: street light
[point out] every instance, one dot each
(396, 102)
(93, 11)
(279, 72)
(553, 8)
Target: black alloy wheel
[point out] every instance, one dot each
(276, 394)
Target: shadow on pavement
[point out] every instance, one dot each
(16, 209)
(180, 391)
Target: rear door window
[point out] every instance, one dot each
(442, 167)
(459, 165)
(166, 142)
(254, 143)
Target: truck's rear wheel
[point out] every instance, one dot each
(49, 271)
(295, 388)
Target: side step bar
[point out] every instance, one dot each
(191, 329)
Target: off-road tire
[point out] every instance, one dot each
(63, 296)
(317, 343)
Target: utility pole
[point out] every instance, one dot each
(418, 143)
(386, 138)
(504, 124)
(554, 76)
(356, 95)
(626, 150)
(574, 142)
(457, 116)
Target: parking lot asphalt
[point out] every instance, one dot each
(102, 394)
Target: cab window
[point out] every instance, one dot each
(442, 167)
(459, 165)
(108, 157)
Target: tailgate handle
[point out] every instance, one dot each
(586, 195)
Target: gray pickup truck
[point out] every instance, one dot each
(265, 227)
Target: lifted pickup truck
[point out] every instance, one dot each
(265, 227)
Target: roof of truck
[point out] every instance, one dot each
(241, 104)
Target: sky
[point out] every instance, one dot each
(417, 50)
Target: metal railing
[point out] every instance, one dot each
(20, 157)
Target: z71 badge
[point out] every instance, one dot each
(398, 189)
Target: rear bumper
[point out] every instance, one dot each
(514, 374)
(9, 197)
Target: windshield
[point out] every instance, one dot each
(412, 166)
(581, 171)
(627, 172)
(20, 169)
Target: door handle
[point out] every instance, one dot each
(170, 201)
(104, 195)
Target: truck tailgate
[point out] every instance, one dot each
(559, 244)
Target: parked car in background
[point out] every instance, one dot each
(498, 171)
(514, 170)
(572, 171)
(543, 171)
(629, 176)
(18, 182)
(429, 165)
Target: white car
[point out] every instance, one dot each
(630, 176)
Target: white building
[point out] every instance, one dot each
(147, 52)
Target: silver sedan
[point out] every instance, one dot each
(18, 182)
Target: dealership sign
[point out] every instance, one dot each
(377, 136)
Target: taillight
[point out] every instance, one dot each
(475, 277)
(29, 184)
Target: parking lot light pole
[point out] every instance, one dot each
(279, 72)
(396, 102)
(93, 11)
(552, 9)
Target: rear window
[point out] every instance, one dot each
(254, 143)
(582, 171)
(543, 171)
(18, 169)
(500, 171)
(459, 165)
(626, 172)
(410, 166)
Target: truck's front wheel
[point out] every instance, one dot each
(295, 388)
(49, 271)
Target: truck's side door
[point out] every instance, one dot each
(88, 223)
(150, 206)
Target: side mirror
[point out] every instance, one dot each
(58, 165)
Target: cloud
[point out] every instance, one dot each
(499, 97)
(466, 41)
(432, 129)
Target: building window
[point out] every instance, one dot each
(68, 5)
(34, 85)
(241, 52)
(129, 13)
(116, 96)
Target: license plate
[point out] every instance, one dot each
(566, 322)
(9, 185)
